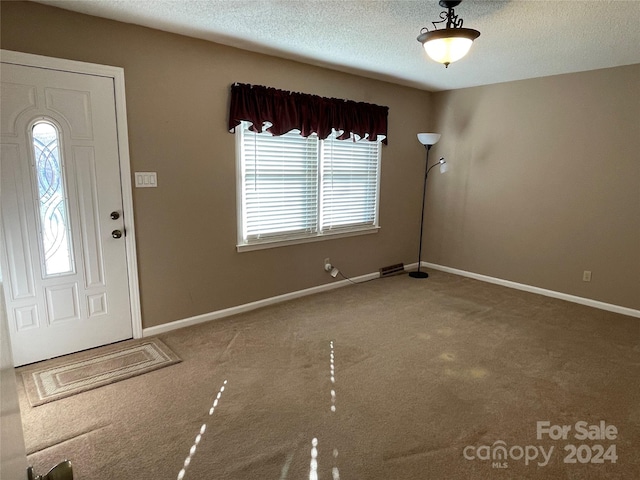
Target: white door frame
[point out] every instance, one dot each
(117, 74)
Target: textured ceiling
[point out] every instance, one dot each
(377, 38)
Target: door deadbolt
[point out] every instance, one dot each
(116, 234)
(115, 215)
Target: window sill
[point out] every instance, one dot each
(295, 241)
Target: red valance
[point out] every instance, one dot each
(310, 114)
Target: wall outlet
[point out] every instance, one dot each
(586, 276)
(327, 265)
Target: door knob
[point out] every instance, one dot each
(62, 471)
(115, 215)
(116, 234)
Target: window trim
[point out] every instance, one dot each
(274, 242)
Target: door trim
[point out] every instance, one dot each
(117, 74)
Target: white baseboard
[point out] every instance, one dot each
(540, 291)
(247, 307)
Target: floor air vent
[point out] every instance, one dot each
(392, 270)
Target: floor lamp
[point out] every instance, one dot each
(428, 140)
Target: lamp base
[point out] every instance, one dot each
(418, 274)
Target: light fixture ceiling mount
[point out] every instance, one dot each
(451, 43)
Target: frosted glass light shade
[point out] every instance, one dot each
(447, 50)
(428, 138)
(444, 167)
(449, 44)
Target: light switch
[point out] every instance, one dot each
(146, 179)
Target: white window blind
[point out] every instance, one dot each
(296, 188)
(349, 183)
(280, 185)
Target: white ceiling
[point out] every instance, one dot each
(377, 38)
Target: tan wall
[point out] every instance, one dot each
(177, 96)
(545, 179)
(545, 183)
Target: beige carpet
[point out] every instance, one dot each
(427, 379)
(72, 374)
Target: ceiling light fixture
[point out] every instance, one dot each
(450, 43)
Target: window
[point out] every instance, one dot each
(293, 189)
(54, 231)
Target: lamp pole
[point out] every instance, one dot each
(428, 140)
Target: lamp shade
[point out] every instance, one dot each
(448, 50)
(449, 44)
(428, 138)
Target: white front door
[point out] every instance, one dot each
(64, 254)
